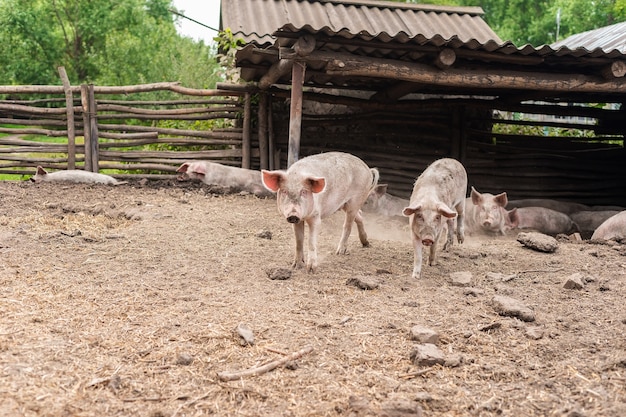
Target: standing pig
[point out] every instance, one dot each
(74, 175)
(486, 213)
(316, 187)
(542, 219)
(438, 197)
(613, 228)
(212, 173)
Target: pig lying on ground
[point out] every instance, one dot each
(316, 187)
(541, 219)
(437, 193)
(566, 207)
(613, 228)
(74, 175)
(589, 220)
(485, 213)
(383, 203)
(234, 178)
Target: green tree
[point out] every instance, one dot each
(100, 41)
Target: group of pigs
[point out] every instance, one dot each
(317, 186)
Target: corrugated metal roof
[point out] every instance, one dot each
(607, 39)
(256, 21)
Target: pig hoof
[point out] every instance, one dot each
(311, 269)
(365, 244)
(342, 251)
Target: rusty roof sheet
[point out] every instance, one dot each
(606, 39)
(257, 21)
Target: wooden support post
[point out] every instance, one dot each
(69, 107)
(295, 112)
(263, 142)
(84, 100)
(93, 129)
(271, 149)
(245, 143)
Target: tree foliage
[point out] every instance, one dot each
(534, 21)
(107, 42)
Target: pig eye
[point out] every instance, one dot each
(438, 217)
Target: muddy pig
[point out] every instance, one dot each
(233, 178)
(438, 197)
(74, 175)
(485, 213)
(613, 228)
(589, 220)
(381, 202)
(316, 187)
(541, 219)
(567, 207)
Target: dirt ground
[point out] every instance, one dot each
(120, 301)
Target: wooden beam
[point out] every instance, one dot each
(295, 112)
(342, 64)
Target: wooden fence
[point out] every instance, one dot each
(125, 128)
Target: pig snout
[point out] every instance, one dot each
(427, 241)
(293, 219)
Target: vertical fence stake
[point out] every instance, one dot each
(84, 101)
(263, 99)
(93, 129)
(245, 144)
(295, 112)
(69, 109)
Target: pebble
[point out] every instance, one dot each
(423, 334)
(427, 354)
(508, 306)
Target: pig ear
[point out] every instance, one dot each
(380, 189)
(446, 211)
(512, 218)
(408, 211)
(501, 199)
(272, 179)
(317, 184)
(41, 171)
(477, 198)
(183, 167)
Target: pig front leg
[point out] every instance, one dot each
(449, 235)
(432, 259)
(417, 255)
(298, 229)
(311, 263)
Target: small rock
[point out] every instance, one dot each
(490, 326)
(473, 291)
(424, 335)
(264, 234)
(574, 282)
(427, 355)
(280, 274)
(461, 279)
(534, 332)
(538, 241)
(401, 408)
(246, 334)
(507, 306)
(453, 361)
(184, 359)
(363, 282)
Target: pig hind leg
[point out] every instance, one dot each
(351, 216)
(449, 235)
(298, 229)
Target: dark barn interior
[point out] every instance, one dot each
(401, 85)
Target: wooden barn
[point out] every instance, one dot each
(401, 85)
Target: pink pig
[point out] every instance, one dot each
(316, 187)
(212, 173)
(438, 197)
(486, 213)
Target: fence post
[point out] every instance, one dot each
(263, 145)
(69, 109)
(84, 101)
(93, 129)
(245, 143)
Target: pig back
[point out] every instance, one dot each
(347, 177)
(445, 180)
(613, 228)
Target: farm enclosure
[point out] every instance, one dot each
(124, 301)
